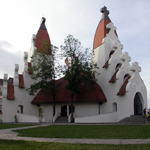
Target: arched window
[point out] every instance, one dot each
(111, 53)
(122, 90)
(127, 76)
(106, 64)
(118, 66)
(113, 78)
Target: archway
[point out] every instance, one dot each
(138, 99)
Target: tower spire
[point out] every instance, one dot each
(43, 24)
(101, 30)
(42, 35)
(105, 13)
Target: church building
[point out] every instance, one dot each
(119, 92)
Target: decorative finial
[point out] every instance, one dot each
(105, 13)
(43, 20)
(43, 23)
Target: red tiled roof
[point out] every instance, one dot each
(10, 92)
(91, 93)
(21, 81)
(42, 35)
(29, 66)
(100, 33)
(122, 90)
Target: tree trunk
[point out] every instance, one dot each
(53, 98)
(72, 118)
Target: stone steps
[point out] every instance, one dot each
(133, 120)
(62, 120)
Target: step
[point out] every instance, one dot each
(62, 120)
(134, 119)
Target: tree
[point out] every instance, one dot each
(40, 114)
(44, 72)
(81, 71)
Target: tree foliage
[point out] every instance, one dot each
(40, 114)
(81, 70)
(43, 69)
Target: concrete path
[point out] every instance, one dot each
(8, 134)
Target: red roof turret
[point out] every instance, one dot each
(101, 30)
(42, 35)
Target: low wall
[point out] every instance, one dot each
(1, 118)
(28, 118)
(104, 118)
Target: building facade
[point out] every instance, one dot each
(119, 92)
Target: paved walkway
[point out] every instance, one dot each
(8, 134)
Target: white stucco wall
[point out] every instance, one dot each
(125, 103)
(104, 118)
(84, 112)
(86, 109)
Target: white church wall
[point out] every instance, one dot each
(86, 109)
(98, 57)
(116, 107)
(28, 118)
(125, 103)
(47, 112)
(22, 98)
(104, 118)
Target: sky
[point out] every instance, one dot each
(21, 18)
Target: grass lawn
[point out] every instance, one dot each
(7, 126)
(89, 131)
(30, 145)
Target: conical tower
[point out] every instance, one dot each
(38, 40)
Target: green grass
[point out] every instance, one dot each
(89, 131)
(30, 145)
(7, 126)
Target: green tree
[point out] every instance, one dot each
(81, 71)
(40, 114)
(43, 71)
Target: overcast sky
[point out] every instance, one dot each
(21, 18)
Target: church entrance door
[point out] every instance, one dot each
(64, 110)
(138, 104)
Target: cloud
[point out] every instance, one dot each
(8, 59)
(79, 18)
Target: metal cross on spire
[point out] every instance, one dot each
(105, 13)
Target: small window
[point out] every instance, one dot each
(0, 99)
(0, 93)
